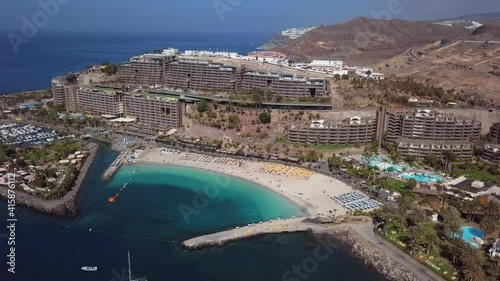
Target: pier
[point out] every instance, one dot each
(114, 167)
(251, 230)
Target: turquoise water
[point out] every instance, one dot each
(383, 163)
(469, 232)
(147, 219)
(422, 177)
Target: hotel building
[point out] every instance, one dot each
(64, 92)
(148, 110)
(153, 110)
(494, 134)
(289, 86)
(422, 148)
(491, 153)
(354, 130)
(200, 74)
(145, 69)
(424, 132)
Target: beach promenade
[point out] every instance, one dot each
(251, 230)
(310, 191)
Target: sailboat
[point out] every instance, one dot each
(130, 271)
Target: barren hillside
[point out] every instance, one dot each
(366, 41)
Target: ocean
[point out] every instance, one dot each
(146, 218)
(50, 54)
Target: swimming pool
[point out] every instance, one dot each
(382, 163)
(469, 233)
(421, 177)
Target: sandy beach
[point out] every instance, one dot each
(308, 190)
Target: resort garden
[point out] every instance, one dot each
(445, 245)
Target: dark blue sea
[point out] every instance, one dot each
(50, 54)
(146, 219)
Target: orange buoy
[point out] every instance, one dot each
(112, 199)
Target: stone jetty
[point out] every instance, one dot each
(114, 167)
(249, 231)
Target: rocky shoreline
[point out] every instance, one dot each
(370, 255)
(336, 230)
(63, 207)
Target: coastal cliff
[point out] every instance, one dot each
(276, 41)
(65, 206)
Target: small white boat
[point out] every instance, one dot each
(89, 268)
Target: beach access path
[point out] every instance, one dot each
(416, 267)
(312, 195)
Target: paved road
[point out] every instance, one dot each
(407, 261)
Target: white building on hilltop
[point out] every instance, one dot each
(170, 52)
(294, 33)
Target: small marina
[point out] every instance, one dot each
(19, 134)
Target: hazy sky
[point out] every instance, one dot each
(223, 15)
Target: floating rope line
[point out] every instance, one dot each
(134, 236)
(79, 217)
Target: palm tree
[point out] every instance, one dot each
(492, 210)
(414, 238)
(473, 273)
(405, 204)
(488, 224)
(454, 249)
(429, 239)
(416, 215)
(450, 225)
(471, 208)
(471, 256)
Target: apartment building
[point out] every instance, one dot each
(148, 110)
(494, 134)
(64, 92)
(421, 148)
(145, 69)
(354, 130)
(200, 75)
(100, 101)
(491, 152)
(431, 125)
(423, 132)
(289, 86)
(153, 110)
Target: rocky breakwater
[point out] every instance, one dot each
(65, 206)
(368, 253)
(246, 232)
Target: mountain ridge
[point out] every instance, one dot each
(365, 40)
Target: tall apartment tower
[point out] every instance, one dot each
(494, 134)
(64, 92)
(149, 69)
